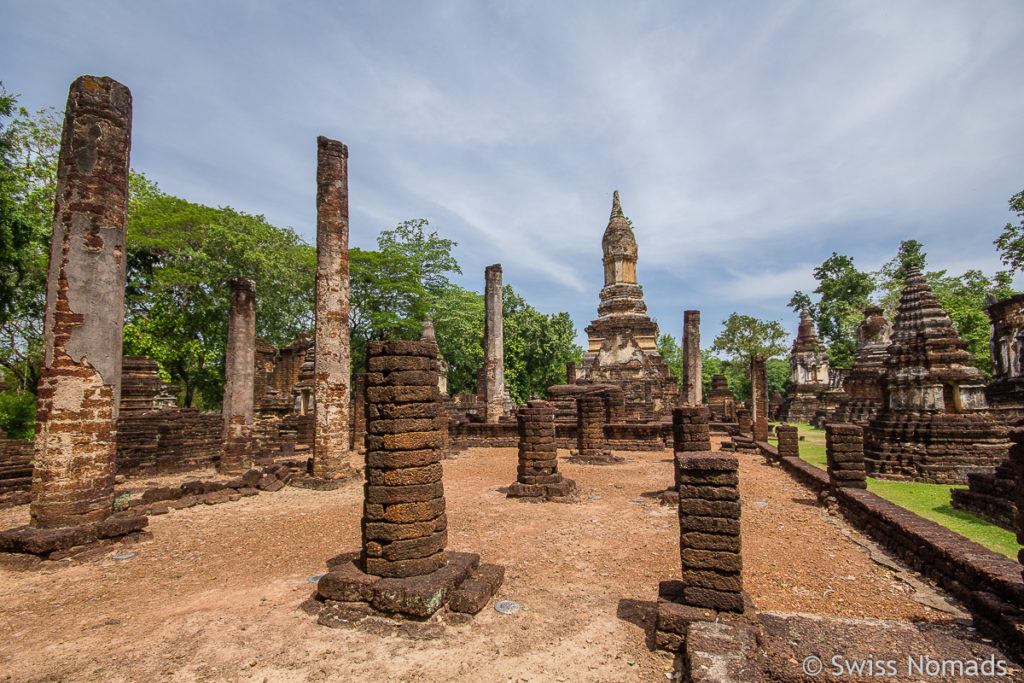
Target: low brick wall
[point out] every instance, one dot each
(652, 436)
(987, 583)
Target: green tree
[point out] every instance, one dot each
(844, 292)
(537, 347)
(387, 301)
(672, 353)
(1010, 242)
(181, 258)
(744, 335)
(459, 324)
(429, 254)
(28, 169)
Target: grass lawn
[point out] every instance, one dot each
(930, 501)
(812, 447)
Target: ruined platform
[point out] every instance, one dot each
(462, 585)
(562, 491)
(60, 543)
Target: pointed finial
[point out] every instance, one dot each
(616, 207)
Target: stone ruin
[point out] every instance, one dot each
(709, 592)
(759, 397)
(80, 376)
(1005, 394)
(864, 384)
(693, 386)
(403, 569)
(808, 363)
(775, 404)
(690, 434)
(933, 426)
(622, 348)
(538, 478)
(721, 400)
(239, 378)
(844, 455)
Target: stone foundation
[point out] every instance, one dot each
(403, 569)
(538, 478)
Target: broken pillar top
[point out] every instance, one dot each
(428, 331)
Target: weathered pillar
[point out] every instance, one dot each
(743, 420)
(570, 372)
(494, 354)
(538, 477)
(358, 411)
(844, 453)
(692, 387)
(332, 369)
(759, 394)
(789, 441)
(80, 376)
(690, 433)
(403, 569)
(404, 523)
(590, 416)
(239, 377)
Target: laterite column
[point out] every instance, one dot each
(80, 375)
(239, 377)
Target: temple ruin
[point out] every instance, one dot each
(808, 364)
(622, 349)
(934, 421)
(864, 385)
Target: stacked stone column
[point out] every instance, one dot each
(404, 522)
(538, 477)
(692, 387)
(759, 392)
(789, 441)
(494, 353)
(80, 375)
(239, 377)
(332, 372)
(570, 373)
(709, 525)
(690, 432)
(743, 419)
(590, 427)
(844, 453)
(358, 411)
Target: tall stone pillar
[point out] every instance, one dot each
(570, 372)
(239, 377)
(494, 346)
(759, 393)
(692, 367)
(332, 373)
(80, 376)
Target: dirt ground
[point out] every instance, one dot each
(215, 595)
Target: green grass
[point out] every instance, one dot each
(812, 447)
(931, 501)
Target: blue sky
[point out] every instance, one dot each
(748, 140)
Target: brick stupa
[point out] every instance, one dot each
(865, 384)
(622, 349)
(808, 364)
(934, 426)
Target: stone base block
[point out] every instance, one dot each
(561, 491)
(603, 458)
(56, 542)
(317, 483)
(463, 584)
(675, 614)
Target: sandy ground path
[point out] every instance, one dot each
(214, 597)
